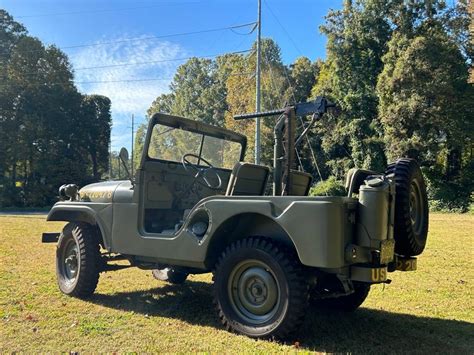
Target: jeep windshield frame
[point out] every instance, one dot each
(189, 125)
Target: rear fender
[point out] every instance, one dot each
(318, 229)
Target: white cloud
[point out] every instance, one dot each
(127, 97)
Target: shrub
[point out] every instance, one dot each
(329, 187)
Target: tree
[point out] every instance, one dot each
(427, 105)
(241, 95)
(163, 104)
(42, 129)
(95, 122)
(357, 37)
(213, 91)
(302, 77)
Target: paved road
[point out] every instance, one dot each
(23, 213)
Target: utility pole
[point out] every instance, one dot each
(257, 85)
(133, 122)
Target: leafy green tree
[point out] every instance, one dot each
(302, 78)
(163, 104)
(195, 92)
(43, 127)
(94, 124)
(427, 105)
(357, 37)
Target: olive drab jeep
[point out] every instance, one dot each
(194, 206)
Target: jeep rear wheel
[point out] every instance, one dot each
(411, 207)
(260, 290)
(77, 260)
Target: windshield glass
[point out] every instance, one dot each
(168, 143)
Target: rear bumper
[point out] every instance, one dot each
(378, 274)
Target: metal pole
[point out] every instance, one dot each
(132, 143)
(257, 86)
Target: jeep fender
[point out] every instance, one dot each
(318, 230)
(96, 214)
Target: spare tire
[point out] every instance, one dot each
(411, 207)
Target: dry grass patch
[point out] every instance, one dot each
(430, 310)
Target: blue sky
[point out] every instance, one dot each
(292, 24)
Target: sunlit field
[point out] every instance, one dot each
(430, 310)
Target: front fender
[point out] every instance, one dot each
(99, 214)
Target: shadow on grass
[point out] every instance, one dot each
(366, 330)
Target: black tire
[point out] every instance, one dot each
(347, 303)
(275, 297)
(170, 275)
(411, 207)
(78, 260)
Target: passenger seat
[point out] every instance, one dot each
(247, 180)
(301, 183)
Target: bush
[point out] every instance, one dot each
(329, 187)
(454, 194)
(449, 197)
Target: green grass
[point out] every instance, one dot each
(428, 311)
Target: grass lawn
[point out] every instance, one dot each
(429, 311)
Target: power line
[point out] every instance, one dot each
(139, 39)
(108, 10)
(161, 36)
(150, 62)
(246, 33)
(143, 79)
(130, 80)
(122, 80)
(282, 27)
(159, 61)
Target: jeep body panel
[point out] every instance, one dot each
(320, 241)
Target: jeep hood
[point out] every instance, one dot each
(103, 191)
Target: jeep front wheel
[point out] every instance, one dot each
(260, 290)
(77, 260)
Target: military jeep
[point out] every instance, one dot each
(194, 206)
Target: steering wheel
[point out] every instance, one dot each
(200, 173)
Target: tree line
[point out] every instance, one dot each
(397, 70)
(50, 133)
(399, 73)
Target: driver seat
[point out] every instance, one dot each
(247, 180)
